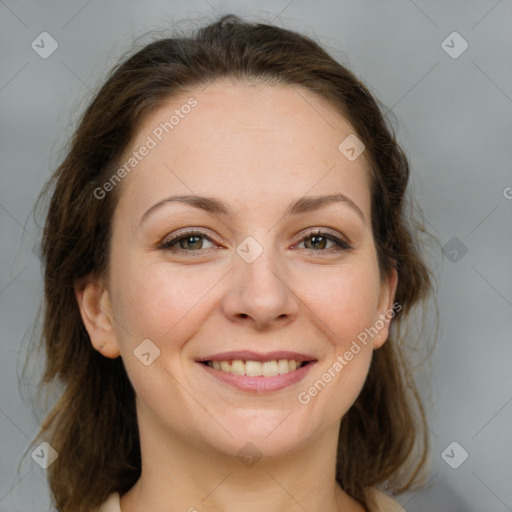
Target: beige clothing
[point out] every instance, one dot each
(378, 502)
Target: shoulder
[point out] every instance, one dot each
(112, 504)
(380, 502)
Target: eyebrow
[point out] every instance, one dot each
(213, 205)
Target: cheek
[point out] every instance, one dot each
(344, 305)
(153, 300)
(345, 300)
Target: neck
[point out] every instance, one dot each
(181, 475)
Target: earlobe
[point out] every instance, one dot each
(95, 308)
(386, 310)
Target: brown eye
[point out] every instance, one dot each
(191, 241)
(318, 241)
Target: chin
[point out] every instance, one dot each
(269, 437)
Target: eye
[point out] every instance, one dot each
(188, 241)
(318, 240)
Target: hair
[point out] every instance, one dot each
(93, 424)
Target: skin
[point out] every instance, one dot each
(257, 148)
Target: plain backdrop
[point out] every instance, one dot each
(453, 107)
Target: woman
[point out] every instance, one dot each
(227, 267)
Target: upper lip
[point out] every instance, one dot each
(256, 356)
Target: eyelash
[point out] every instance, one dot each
(342, 244)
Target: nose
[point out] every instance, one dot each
(260, 293)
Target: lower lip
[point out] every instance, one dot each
(261, 384)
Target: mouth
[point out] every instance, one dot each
(250, 371)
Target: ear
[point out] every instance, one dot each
(94, 303)
(386, 311)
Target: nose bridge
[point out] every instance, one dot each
(259, 266)
(260, 288)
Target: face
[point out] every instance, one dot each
(194, 286)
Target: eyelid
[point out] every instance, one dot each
(343, 242)
(182, 233)
(325, 231)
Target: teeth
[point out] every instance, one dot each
(270, 369)
(282, 366)
(253, 368)
(256, 368)
(237, 367)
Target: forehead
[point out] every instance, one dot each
(245, 140)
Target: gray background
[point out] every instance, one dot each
(454, 119)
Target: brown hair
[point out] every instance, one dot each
(93, 425)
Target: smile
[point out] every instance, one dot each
(257, 372)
